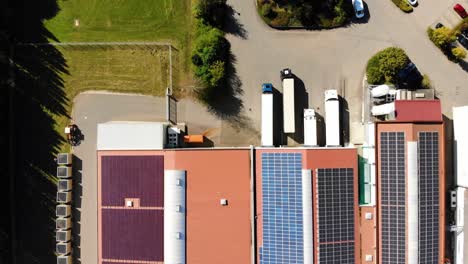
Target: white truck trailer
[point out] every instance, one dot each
(310, 128)
(332, 118)
(267, 116)
(289, 124)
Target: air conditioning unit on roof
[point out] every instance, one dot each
(64, 185)
(64, 197)
(63, 235)
(63, 210)
(64, 159)
(64, 260)
(63, 223)
(63, 248)
(64, 172)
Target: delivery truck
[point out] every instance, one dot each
(267, 114)
(332, 118)
(289, 124)
(310, 128)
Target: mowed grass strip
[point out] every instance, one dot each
(143, 70)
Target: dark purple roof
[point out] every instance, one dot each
(133, 234)
(132, 177)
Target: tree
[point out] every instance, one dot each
(212, 11)
(385, 65)
(217, 73)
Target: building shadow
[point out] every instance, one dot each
(344, 121)
(232, 24)
(449, 154)
(278, 135)
(38, 98)
(301, 102)
(77, 194)
(321, 135)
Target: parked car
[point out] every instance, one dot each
(413, 2)
(460, 10)
(463, 40)
(358, 8)
(439, 25)
(409, 77)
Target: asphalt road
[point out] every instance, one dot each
(336, 59)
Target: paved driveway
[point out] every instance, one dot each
(336, 59)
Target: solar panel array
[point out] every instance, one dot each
(282, 209)
(393, 197)
(428, 157)
(336, 215)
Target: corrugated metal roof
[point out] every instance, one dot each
(418, 111)
(131, 136)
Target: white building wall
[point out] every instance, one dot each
(307, 216)
(174, 216)
(460, 224)
(413, 203)
(460, 145)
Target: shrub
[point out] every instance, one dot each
(267, 11)
(385, 65)
(459, 53)
(403, 5)
(426, 82)
(281, 19)
(441, 37)
(217, 73)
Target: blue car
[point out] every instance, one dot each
(267, 88)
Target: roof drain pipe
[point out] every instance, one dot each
(252, 207)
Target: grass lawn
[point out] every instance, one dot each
(131, 70)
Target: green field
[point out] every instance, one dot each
(122, 20)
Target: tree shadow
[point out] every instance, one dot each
(232, 25)
(224, 101)
(38, 97)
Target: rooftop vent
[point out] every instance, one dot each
(63, 235)
(223, 202)
(129, 203)
(64, 159)
(64, 172)
(64, 185)
(63, 248)
(368, 216)
(63, 223)
(64, 197)
(63, 210)
(369, 258)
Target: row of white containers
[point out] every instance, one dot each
(63, 222)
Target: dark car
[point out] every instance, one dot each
(409, 77)
(460, 10)
(439, 25)
(463, 39)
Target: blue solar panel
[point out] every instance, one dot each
(282, 209)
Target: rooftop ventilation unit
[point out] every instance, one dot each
(63, 235)
(173, 135)
(64, 185)
(64, 172)
(64, 197)
(64, 260)
(63, 210)
(63, 248)
(63, 223)
(64, 159)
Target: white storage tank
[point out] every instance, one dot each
(64, 260)
(63, 235)
(174, 216)
(63, 223)
(64, 185)
(63, 210)
(63, 248)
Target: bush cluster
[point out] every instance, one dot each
(305, 13)
(384, 66)
(210, 49)
(403, 5)
(443, 38)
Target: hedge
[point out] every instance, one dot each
(403, 5)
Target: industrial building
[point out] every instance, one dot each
(411, 187)
(307, 205)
